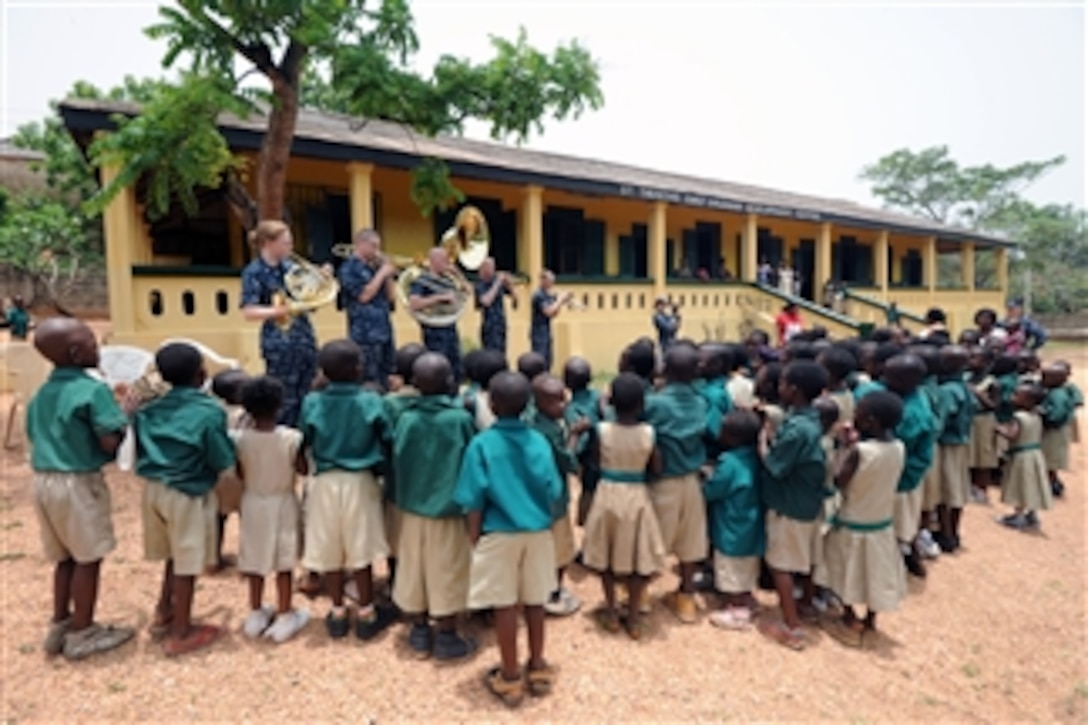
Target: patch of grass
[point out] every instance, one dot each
(972, 670)
(26, 649)
(976, 649)
(12, 556)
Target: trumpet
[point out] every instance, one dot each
(573, 303)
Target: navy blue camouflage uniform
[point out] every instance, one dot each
(493, 317)
(368, 323)
(443, 340)
(291, 356)
(540, 328)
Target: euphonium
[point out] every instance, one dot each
(306, 287)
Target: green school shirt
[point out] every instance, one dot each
(182, 441)
(19, 320)
(795, 467)
(678, 414)
(1075, 395)
(394, 403)
(1006, 386)
(733, 505)
(932, 390)
(65, 420)
(429, 441)
(586, 404)
(918, 432)
(865, 388)
(1059, 407)
(345, 427)
(718, 403)
(557, 433)
(959, 413)
(508, 474)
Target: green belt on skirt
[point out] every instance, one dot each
(859, 526)
(1026, 447)
(613, 476)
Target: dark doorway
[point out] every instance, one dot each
(804, 264)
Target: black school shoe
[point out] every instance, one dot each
(948, 544)
(914, 564)
(367, 629)
(451, 646)
(1057, 488)
(337, 626)
(421, 639)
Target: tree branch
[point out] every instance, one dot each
(291, 67)
(258, 54)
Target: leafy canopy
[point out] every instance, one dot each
(350, 56)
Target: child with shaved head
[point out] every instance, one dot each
(75, 427)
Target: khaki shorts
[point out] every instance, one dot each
(955, 475)
(345, 529)
(74, 516)
(392, 517)
(509, 569)
(179, 528)
(790, 543)
(735, 574)
(563, 536)
(907, 514)
(432, 565)
(681, 512)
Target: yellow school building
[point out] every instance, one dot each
(616, 236)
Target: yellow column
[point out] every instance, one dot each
(929, 264)
(823, 257)
(880, 264)
(117, 226)
(657, 247)
(362, 196)
(967, 265)
(531, 239)
(611, 250)
(749, 263)
(1001, 262)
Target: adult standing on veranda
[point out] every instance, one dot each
(1035, 335)
(545, 306)
(434, 287)
(367, 282)
(491, 289)
(290, 355)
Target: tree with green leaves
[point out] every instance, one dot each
(987, 198)
(363, 50)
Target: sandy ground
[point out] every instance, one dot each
(995, 633)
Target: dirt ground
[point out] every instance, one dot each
(995, 633)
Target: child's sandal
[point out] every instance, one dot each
(635, 630)
(511, 692)
(159, 628)
(540, 680)
(608, 620)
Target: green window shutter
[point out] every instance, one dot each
(593, 251)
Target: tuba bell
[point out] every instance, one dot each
(306, 288)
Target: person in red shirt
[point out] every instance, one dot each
(789, 323)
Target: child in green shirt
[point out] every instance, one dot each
(792, 489)
(509, 487)
(547, 417)
(182, 447)
(585, 403)
(18, 318)
(429, 440)
(75, 427)
(736, 519)
(345, 429)
(679, 414)
(954, 445)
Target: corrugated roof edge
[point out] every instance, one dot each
(335, 136)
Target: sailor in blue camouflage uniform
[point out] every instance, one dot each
(491, 288)
(434, 288)
(289, 355)
(545, 305)
(367, 285)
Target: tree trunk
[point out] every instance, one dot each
(276, 149)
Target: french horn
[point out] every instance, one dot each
(306, 287)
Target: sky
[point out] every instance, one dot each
(796, 96)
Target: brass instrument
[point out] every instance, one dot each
(306, 287)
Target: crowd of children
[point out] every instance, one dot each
(824, 471)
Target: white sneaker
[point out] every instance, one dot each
(562, 604)
(257, 622)
(929, 548)
(287, 625)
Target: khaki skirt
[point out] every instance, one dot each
(622, 534)
(984, 446)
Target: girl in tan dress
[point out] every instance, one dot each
(622, 537)
(862, 563)
(1025, 485)
(270, 512)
